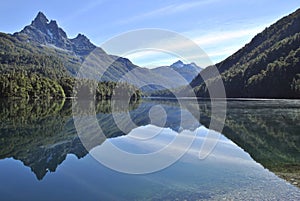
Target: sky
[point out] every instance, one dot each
(219, 27)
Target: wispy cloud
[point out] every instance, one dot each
(217, 37)
(217, 46)
(167, 10)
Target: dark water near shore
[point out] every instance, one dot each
(257, 156)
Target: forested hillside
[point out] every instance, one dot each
(267, 67)
(30, 71)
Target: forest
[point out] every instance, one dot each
(32, 71)
(267, 67)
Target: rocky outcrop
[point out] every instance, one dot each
(49, 33)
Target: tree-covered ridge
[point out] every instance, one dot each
(29, 71)
(267, 67)
(18, 55)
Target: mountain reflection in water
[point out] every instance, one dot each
(42, 134)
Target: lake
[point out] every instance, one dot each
(257, 156)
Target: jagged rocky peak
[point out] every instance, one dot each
(42, 31)
(178, 64)
(82, 45)
(40, 19)
(40, 22)
(53, 24)
(54, 29)
(80, 38)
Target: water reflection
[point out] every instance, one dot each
(269, 130)
(42, 134)
(36, 133)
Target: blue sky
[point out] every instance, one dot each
(219, 27)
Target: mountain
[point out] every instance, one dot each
(41, 31)
(187, 71)
(267, 67)
(44, 48)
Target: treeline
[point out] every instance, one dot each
(89, 89)
(36, 86)
(31, 71)
(21, 85)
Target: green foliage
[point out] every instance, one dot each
(267, 67)
(34, 71)
(20, 85)
(89, 89)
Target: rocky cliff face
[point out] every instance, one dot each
(42, 31)
(82, 45)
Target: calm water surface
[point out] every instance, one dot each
(256, 158)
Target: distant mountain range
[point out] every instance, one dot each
(44, 40)
(267, 67)
(187, 71)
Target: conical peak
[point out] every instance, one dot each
(40, 19)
